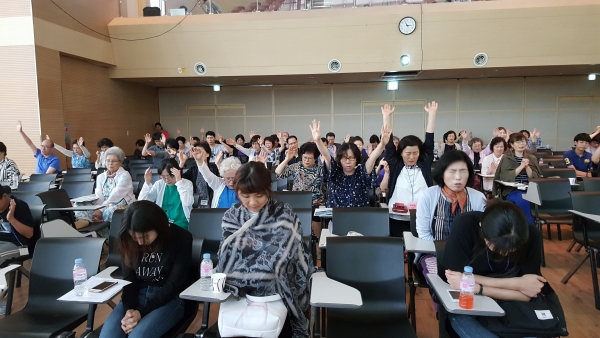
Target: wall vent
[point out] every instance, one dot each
(334, 66)
(200, 68)
(480, 59)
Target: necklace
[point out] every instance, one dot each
(411, 176)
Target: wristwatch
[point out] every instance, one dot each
(480, 290)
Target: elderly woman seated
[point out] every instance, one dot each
(114, 190)
(275, 262)
(223, 187)
(8, 167)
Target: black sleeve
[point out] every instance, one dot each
(530, 263)
(23, 213)
(461, 241)
(428, 146)
(214, 169)
(129, 297)
(390, 151)
(178, 276)
(190, 175)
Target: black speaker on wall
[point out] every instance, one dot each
(151, 11)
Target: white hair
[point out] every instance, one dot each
(230, 163)
(118, 152)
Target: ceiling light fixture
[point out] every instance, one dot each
(404, 60)
(392, 85)
(592, 77)
(217, 88)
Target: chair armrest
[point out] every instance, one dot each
(3, 282)
(195, 293)
(414, 244)
(106, 273)
(326, 292)
(482, 305)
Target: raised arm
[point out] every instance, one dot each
(83, 148)
(145, 151)
(431, 109)
(387, 112)
(596, 132)
(26, 138)
(386, 132)
(288, 157)
(211, 179)
(465, 144)
(228, 149)
(64, 151)
(315, 129)
(596, 156)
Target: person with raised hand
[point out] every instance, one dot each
(223, 187)
(410, 168)
(46, 161)
(80, 156)
(251, 152)
(174, 194)
(449, 143)
(348, 181)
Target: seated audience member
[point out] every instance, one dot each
(104, 144)
(534, 140)
(272, 151)
(359, 143)
(201, 187)
(267, 267)
(249, 153)
(517, 166)
(156, 260)
(114, 190)
(223, 187)
(410, 167)
(172, 151)
(174, 194)
(139, 146)
(218, 151)
(473, 151)
(291, 142)
(17, 222)
(348, 181)
(159, 146)
(331, 145)
(8, 167)
(578, 158)
(241, 141)
(490, 163)
(449, 143)
(159, 129)
(182, 144)
(80, 156)
(46, 161)
(595, 143)
(498, 132)
(503, 249)
(307, 174)
(374, 141)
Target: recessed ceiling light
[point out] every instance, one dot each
(392, 85)
(217, 88)
(592, 77)
(404, 60)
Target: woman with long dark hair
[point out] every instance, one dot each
(156, 260)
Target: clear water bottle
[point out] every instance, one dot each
(206, 268)
(14, 184)
(541, 160)
(467, 289)
(79, 277)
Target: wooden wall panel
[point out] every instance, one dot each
(95, 14)
(16, 8)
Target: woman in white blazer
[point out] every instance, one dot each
(224, 187)
(175, 195)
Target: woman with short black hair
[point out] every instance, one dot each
(156, 259)
(275, 262)
(450, 140)
(104, 144)
(8, 167)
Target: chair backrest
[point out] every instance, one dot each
(586, 201)
(29, 197)
(78, 189)
(34, 186)
(366, 221)
(57, 198)
(555, 195)
(59, 228)
(137, 187)
(141, 169)
(372, 265)
(79, 171)
(140, 177)
(206, 223)
(560, 172)
(305, 217)
(114, 259)
(43, 178)
(296, 199)
(558, 152)
(77, 177)
(51, 274)
(591, 183)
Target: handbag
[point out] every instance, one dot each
(252, 317)
(542, 316)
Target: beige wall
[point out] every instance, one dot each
(448, 35)
(560, 107)
(18, 88)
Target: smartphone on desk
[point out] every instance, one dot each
(102, 286)
(454, 295)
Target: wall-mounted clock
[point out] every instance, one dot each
(407, 25)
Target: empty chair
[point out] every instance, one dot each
(140, 178)
(381, 285)
(34, 186)
(206, 223)
(560, 172)
(114, 258)
(296, 199)
(60, 199)
(366, 221)
(310, 242)
(134, 171)
(71, 171)
(77, 177)
(556, 202)
(78, 189)
(43, 178)
(591, 183)
(51, 276)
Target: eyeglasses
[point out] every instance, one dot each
(348, 159)
(165, 177)
(229, 179)
(308, 159)
(112, 161)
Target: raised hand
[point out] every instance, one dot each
(177, 173)
(202, 131)
(163, 138)
(178, 132)
(230, 142)
(369, 149)
(291, 153)
(387, 110)
(536, 133)
(315, 129)
(262, 157)
(220, 138)
(252, 134)
(182, 157)
(260, 141)
(386, 133)
(464, 135)
(386, 167)
(148, 176)
(279, 135)
(431, 107)
(19, 126)
(80, 142)
(439, 144)
(47, 137)
(347, 138)
(10, 216)
(198, 153)
(148, 138)
(311, 140)
(496, 132)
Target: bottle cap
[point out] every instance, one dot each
(78, 261)
(206, 256)
(468, 269)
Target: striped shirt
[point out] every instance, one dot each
(522, 177)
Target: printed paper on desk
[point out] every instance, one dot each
(87, 198)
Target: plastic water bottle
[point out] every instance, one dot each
(14, 184)
(467, 289)
(206, 268)
(79, 277)
(541, 160)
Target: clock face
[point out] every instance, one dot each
(407, 25)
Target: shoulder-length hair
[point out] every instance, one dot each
(142, 217)
(343, 149)
(497, 140)
(446, 160)
(253, 178)
(410, 141)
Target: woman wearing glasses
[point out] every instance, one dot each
(348, 180)
(517, 166)
(175, 195)
(224, 193)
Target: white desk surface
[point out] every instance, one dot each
(519, 186)
(483, 305)
(95, 298)
(82, 208)
(194, 292)
(592, 217)
(486, 175)
(326, 292)
(323, 240)
(415, 244)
